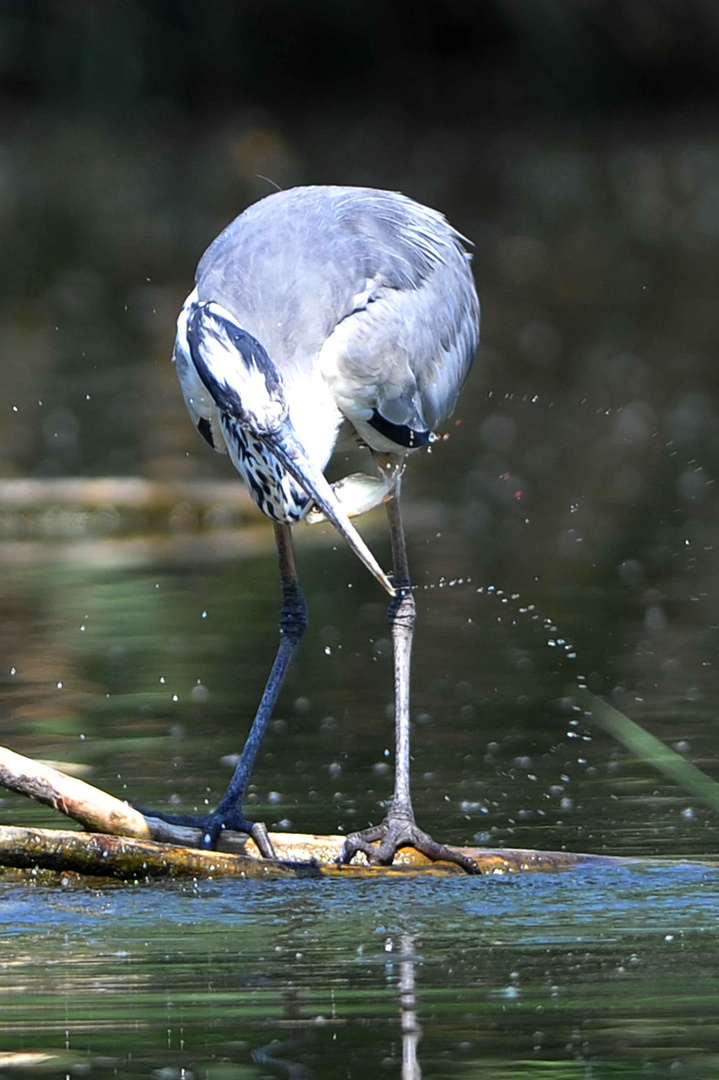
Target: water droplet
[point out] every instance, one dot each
(199, 693)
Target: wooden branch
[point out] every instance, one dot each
(123, 843)
(92, 808)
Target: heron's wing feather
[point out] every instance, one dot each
(400, 356)
(371, 281)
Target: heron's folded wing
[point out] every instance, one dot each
(399, 362)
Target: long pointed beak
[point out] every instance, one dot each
(286, 447)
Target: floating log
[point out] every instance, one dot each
(299, 856)
(125, 844)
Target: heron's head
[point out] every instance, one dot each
(246, 385)
(233, 365)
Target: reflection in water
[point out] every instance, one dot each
(411, 1031)
(613, 971)
(276, 1055)
(283, 1056)
(286, 1056)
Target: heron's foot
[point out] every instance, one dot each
(214, 824)
(395, 832)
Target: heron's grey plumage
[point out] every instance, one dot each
(362, 298)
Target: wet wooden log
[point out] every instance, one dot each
(100, 855)
(120, 842)
(124, 858)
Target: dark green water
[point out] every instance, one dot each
(587, 974)
(161, 648)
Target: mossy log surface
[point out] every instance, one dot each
(299, 856)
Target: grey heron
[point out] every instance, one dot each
(321, 314)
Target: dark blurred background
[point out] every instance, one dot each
(575, 143)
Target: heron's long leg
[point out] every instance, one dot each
(399, 829)
(402, 616)
(293, 620)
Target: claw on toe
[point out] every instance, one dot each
(215, 825)
(261, 837)
(257, 831)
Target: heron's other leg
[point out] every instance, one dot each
(293, 621)
(399, 829)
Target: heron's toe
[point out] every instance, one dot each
(221, 820)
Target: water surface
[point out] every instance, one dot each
(588, 973)
(591, 972)
(564, 531)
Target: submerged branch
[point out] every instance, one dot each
(647, 748)
(123, 493)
